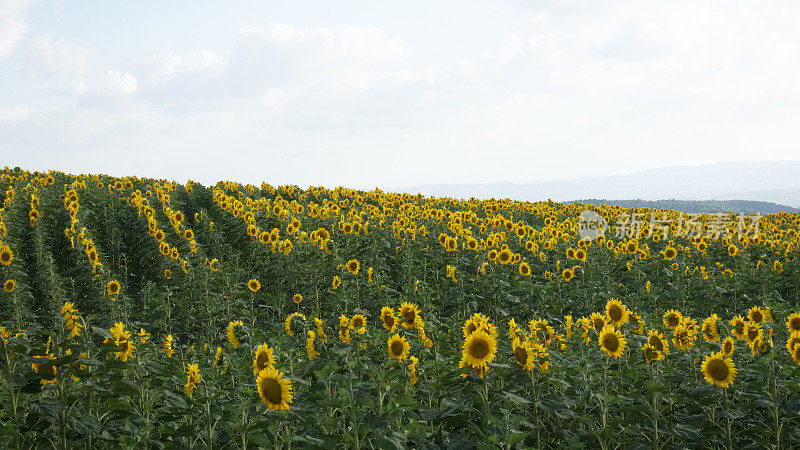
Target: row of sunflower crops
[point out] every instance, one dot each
(146, 313)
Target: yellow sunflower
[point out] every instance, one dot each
(254, 285)
(297, 298)
(504, 257)
(709, 328)
(358, 323)
(9, 285)
(658, 341)
(755, 314)
(388, 319)
(353, 266)
(479, 349)
(6, 255)
(567, 274)
(612, 342)
(47, 371)
(672, 318)
(651, 354)
(288, 322)
(737, 324)
(310, 349)
(616, 312)
(753, 332)
(121, 339)
(524, 269)
(409, 312)
(231, 332)
(112, 288)
(523, 354)
(275, 390)
(795, 352)
(719, 370)
(793, 322)
(728, 346)
(398, 347)
(264, 359)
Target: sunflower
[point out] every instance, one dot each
(288, 322)
(408, 312)
(670, 253)
(6, 255)
(524, 269)
(112, 288)
(358, 323)
(192, 378)
(611, 341)
(580, 255)
(616, 312)
(597, 321)
(657, 340)
(682, 338)
(412, 370)
(732, 250)
(737, 329)
(254, 285)
(188, 234)
(504, 257)
(523, 354)
(353, 266)
(275, 390)
(388, 319)
(719, 370)
(753, 332)
(651, 354)
(297, 298)
(709, 328)
(567, 274)
(755, 314)
(492, 255)
(310, 349)
(398, 347)
(231, 332)
(336, 282)
(344, 328)
(121, 339)
(793, 322)
(264, 359)
(728, 346)
(672, 318)
(47, 371)
(9, 285)
(168, 346)
(479, 349)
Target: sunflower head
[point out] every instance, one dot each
(672, 318)
(112, 288)
(297, 298)
(616, 312)
(409, 313)
(479, 349)
(388, 318)
(263, 359)
(755, 314)
(353, 266)
(719, 370)
(358, 323)
(651, 354)
(275, 390)
(9, 285)
(254, 285)
(398, 347)
(567, 274)
(611, 341)
(793, 322)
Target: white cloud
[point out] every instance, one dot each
(12, 24)
(122, 82)
(15, 114)
(160, 69)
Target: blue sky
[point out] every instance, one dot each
(368, 94)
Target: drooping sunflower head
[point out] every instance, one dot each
(291, 324)
(254, 285)
(523, 354)
(479, 349)
(398, 347)
(353, 266)
(672, 318)
(616, 312)
(263, 359)
(231, 332)
(409, 313)
(719, 370)
(612, 342)
(275, 390)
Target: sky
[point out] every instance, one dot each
(389, 94)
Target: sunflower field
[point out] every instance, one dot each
(145, 313)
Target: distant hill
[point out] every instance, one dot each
(767, 181)
(699, 206)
